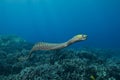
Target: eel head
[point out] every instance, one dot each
(79, 37)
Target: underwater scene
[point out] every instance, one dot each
(59, 39)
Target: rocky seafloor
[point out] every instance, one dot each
(65, 64)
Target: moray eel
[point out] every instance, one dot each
(55, 46)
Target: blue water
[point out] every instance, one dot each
(59, 20)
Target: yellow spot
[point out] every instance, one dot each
(78, 36)
(92, 77)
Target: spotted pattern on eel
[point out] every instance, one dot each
(54, 46)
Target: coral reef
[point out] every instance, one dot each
(64, 64)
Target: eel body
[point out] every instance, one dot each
(47, 46)
(54, 46)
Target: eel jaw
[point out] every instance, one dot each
(84, 37)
